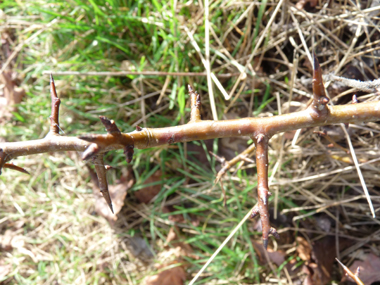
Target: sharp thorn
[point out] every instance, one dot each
(51, 78)
(316, 62)
(111, 207)
(190, 88)
(265, 243)
(15, 167)
(89, 138)
(355, 99)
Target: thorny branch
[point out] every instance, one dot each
(259, 129)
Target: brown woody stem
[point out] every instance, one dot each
(261, 129)
(262, 184)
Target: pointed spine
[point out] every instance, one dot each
(102, 179)
(55, 103)
(320, 100)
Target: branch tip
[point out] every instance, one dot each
(110, 125)
(15, 167)
(265, 243)
(320, 99)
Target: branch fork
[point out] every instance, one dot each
(260, 129)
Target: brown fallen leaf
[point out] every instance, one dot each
(172, 276)
(146, 194)
(277, 257)
(303, 249)
(118, 192)
(369, 268)
(11, 94)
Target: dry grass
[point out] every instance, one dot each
(49, 231)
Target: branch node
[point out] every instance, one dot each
(90, 151)
(260, 138)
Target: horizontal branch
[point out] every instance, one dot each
(200, 130)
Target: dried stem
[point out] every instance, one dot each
(330, 139)
(367, 86)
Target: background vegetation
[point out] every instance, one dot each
(52, 229)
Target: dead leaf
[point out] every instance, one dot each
(172, 276)
(277, 257)
(303, 248)
(146, 194)
(11, 93)
(369, 268)
(118, 193)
